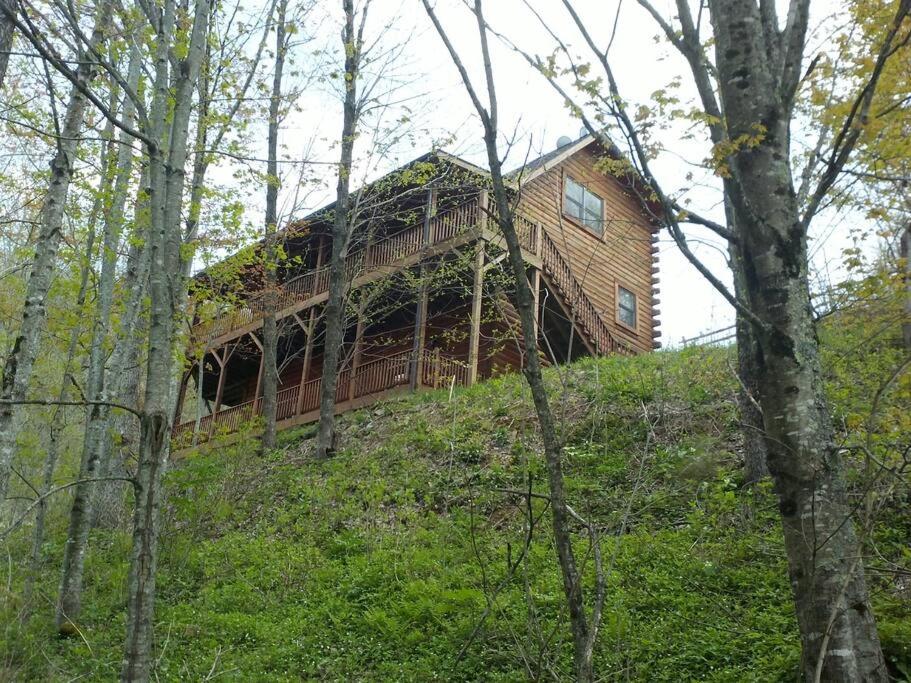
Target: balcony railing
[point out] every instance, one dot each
(370, 379)
(388, 252)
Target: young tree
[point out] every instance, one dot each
(20, 361)
(584, 626)
(270, 329)
(95, 439)
(353, 46)
(749, 94)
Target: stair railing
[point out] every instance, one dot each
(581, 306)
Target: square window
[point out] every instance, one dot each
(583, 205)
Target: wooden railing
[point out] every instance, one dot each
(581, 306)
(383, 253)
(371, 378)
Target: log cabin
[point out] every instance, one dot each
(428, 300)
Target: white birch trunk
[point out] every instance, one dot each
(166, 175)
(95, 445)
(18, 366)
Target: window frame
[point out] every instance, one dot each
(586, 193)
(634, 327)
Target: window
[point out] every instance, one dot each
(584, 205)
(626, 307)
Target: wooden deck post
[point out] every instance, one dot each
(220, 388)
(535, 295)
(358, 345)
(420, 313)
(474, 340)
(259, 376)
(182, 394)
(436, 368)
(482, 209)
(311, 325)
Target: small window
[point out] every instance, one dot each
(584, 205)
(626, 307)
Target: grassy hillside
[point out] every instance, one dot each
(379, 564)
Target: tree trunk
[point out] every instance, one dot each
(166, 176)
(124, 363)
(95, 448)
(584, 631)
(270, 329)
(905, 254)
(7, 31)
(335, 304)
(56, 425)
(752, 429)
(18, 366)
(838, 631)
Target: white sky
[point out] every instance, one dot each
(530, 111)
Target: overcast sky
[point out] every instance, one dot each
(531, 113)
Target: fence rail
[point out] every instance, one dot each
(371, 378)
(386, 252)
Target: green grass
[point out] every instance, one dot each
(378, 564)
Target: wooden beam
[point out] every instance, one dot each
(535, 295)
(220, 388)
(474, 339)
(308, 360)
(311, 326)
(358, 346)
(182, 393)
(420, 313)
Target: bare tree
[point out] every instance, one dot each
(748, 95)
(94, 441)
(584, 626)
(270, 329)
(353, 45)
(20, 361)
(7, 33)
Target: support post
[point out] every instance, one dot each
(535, 297)
(358, 346)
(311, 326)
(474, 339)
(482, 206)
(259, 376)
(181, 395)
(420, 313)
(220, 388)
(436, 368)
(308, 360)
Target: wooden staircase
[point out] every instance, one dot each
(514, 322)
(585, 314)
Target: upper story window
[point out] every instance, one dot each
(626, 307)
(584, 205)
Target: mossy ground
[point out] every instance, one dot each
(379, 563)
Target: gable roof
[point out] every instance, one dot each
(532, 169)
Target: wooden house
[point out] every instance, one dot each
(429, 295)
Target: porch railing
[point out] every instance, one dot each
(371, 378)
(386, 252)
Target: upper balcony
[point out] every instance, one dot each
(444, 231)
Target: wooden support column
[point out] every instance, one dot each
(535, 298)
(308, 330)
(420, 312)
(259, 376)
(181, 395)
(220, 387)
(420, 338)
(482, 205)
(474, 339)
(358, 345)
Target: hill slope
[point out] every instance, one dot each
(389, 562)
